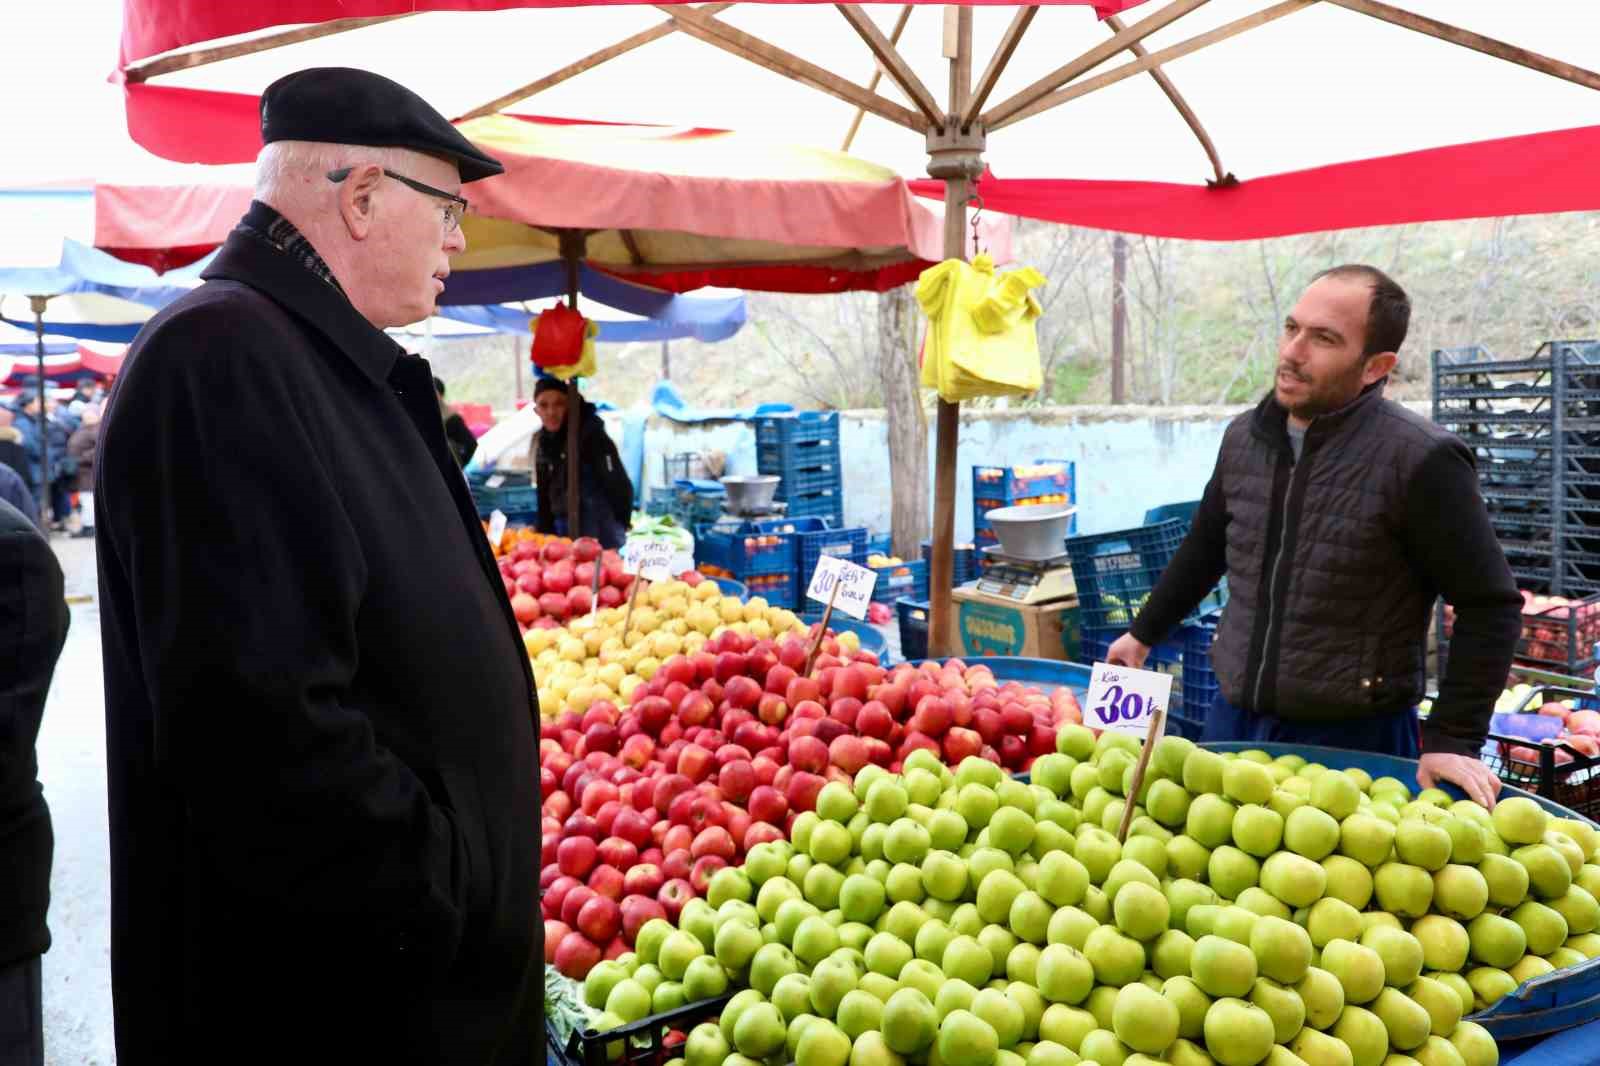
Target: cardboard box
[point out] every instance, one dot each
(992, 626)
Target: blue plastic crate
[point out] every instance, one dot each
(777, 589)
(1003, 483)
(964, 564)
(907, 579)
(1164, 658)
(1199, 679)
(845, 543)
(880, 542)
(1217, 598)
(775, 458)
(913, 618)
(801, 427)
(1115, 572)
(521, 499)
(829, 479)
(829, 505)
(734, 549)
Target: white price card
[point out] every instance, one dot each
(494, 481)
(497, 526)
(855, 585)
(652, 559)
(1123, 699)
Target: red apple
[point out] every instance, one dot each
(644, 879)
(802, 689)
(742, 691)
(844, 710)
(675, 866)
(653, 712)
(597, 794)
(556, 894)
(694, 762)
(638, 749)
(554, 933)
(772, 709)
(989, 725)
(673, 895)
(879, 751)
(827, 729)
(577, 855)
(600, 919)
(766, 804)
(606, 881)
(704, 867)
(574, 901)
(760, 833)
(932, 716)
(619, 853)
(874, 719)
(525, 607)
(778, 678)
(676, 838)
(633, 827)
(802, 790)
(667, 788)
(636, 910)
(809, 754)
(712, 840)
(730, 664)
(766, 766)
(576, 956)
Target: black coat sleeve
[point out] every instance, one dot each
(1449, 538)
(244, 608)
(462, 443)
(614, 476)
(1195, 569)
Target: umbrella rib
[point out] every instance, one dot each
(166, 64)
(893, 62)
(877, 76)
(721, 35)
(1475, 41)
(1001, 113)
(1154, 59)
(630, 242)
(1178, 102)
(997, 63)
(588, 62)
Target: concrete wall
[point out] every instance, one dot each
(1129, 459)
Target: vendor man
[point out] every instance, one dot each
(320, 715)
(1339, 517)
(605, 492)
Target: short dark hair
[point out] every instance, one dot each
(1389, 313)
(438, 385)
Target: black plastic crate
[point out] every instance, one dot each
(1567, 772)
(650, 1041)
(964, 565)
(912, 616)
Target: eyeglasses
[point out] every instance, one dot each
(455, 206)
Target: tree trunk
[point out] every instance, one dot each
(907, 422)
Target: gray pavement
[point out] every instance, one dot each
(72, 767)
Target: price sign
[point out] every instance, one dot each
(855, 585)
(1123, 699)
(652, 559)
(494, 481)
(497, 526)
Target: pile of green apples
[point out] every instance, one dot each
(1259, 911)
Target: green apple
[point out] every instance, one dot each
(1400, 951)
(1191, 1003)
(1187, 857)
(1466, 839)
(1506, 878)
(985, 860)
(829, 842)
(1144, 1020)
(1444, 941)
(906, 841)
(1282, 949)
(1097, 905)
(1528, 967)
(1333, 919)
(862, 897)
(1235, 923)
(814, 939)
(1474, 1044)
(1066, 1025)
(1238, 1033)
(1348, 880)
(1070, 925)
(932, 939)
(922, 786)
(903, 920)
(1171, 755)
(923, 976)
(1050, 1053)
(1210, 820)
(878, 985)
(1563, 957)
(1113, 767)
(1168, 802)
(735, 1008)
(966, 920)
(904, 884)
(1285, 800)
(1002, 1013)
(764, 862)
(1125, 871)
(1030, 917)
(1323, 996)
(1311, 832)
(944, 876)
(1117, 960)
(1022, 964)
(706, 1046)
(1544, 927)
(1148, 851)
(602, 978)
(1366, 839)
(887, 954)
(1102, 1002)
(1222, 967)
(770, 964)
(837, 803)
(1065, 974)
(830, 981)
(1362, 1032)
(736, 944)
(677, 952)
(1569, 849)
(1358, 969)
(1257, 829)
(1171, 953)
(1316, 1048)
(1520, 820)
(1048, 837)
(1292, 878)
(1496, 941)
(1023, 796)
(1247, 782)
(1549, 875)
(996, 892)
(1422, 844)
(1102, 1046)
(1582, 833)
(966, 1040)
(1580, 910)
(954, 994)
(947, 830)
(823, 1044)
(1282, 1005)
(822, 886)
(976, 804)
(759, 1031)
(1203, 771)
(1336, 794)
(978, 770)
(1403, 889)
(1062, 879)
(1489, 985)
(1231, 871)
(1183, 894)
(1460, 891)
(1201, 919)
(998, 941)
(968, 960)
(792, 996)
(1442, 1004)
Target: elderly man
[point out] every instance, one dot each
(319, 710)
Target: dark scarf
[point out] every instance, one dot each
(265, 222)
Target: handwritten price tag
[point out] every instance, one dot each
(1123, 700)
(855, 585)
(494, 481)
(497, 526)
(653, 560)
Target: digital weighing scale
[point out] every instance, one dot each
(1025, 581)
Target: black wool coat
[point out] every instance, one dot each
(33, 627)
(320, 715)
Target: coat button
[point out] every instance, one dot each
(1366, 682)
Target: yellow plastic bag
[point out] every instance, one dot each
(981, 337)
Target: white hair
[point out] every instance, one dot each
(285, 168)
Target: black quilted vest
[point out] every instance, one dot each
(1327, 617)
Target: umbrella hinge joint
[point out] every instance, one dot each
(954, 152)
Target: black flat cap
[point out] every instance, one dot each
(340, 105)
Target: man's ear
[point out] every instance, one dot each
(1377, 367)
(355, 198)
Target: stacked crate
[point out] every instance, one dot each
(803, 449)
(1043, 481)
(1533, 426)
(759, 554)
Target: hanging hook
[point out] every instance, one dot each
(977, 214)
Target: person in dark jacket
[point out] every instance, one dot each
(605, 492)
(14, 491)
(13, 452)
(33, 628)
(462, 442)
(320, 714)
(1339, 518)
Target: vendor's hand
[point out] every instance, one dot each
(1128, 650)
(1476, 779)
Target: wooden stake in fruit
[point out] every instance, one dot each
(1158, 721)
(822, 628)
(633, 594)
(594, 591)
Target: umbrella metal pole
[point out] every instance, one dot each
(38, 305)
(572, 242)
